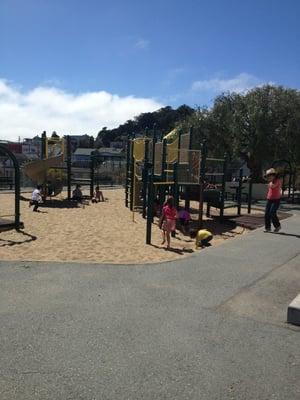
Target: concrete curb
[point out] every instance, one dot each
(293, 313)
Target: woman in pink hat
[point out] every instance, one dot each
(273, 200)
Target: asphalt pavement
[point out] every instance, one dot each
(210, 326)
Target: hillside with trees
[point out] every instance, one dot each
(257, 127)
(165, 120)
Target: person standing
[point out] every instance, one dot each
(168, 221)
(273, 200)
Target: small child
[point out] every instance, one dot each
(184, 219)
(273, 200)
(168, 220)
(77, 194)
(203, 237)
(98, 195)
(36, 198)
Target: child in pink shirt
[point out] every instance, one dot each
(273, 201)
(168, 220)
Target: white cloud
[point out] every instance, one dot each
(26, 114)
(238, 84)
(142, 43)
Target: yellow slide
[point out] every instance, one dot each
(37, 170)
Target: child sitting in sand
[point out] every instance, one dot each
(77, 194)
(203, 237)
(98, 195)
(168, 220)
(184, 219)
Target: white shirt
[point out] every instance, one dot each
(36, 195)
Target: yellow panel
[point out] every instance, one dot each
(172, 151)
(173, 135)
(139, 149)
(158, 158)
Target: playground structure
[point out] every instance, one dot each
(57, 169)
(12, 221)
(49, 168)
(172, 166)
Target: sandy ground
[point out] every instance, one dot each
(103, 233)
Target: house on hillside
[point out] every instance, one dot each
(7, 168)
(32, 148)
(106, 155)
(81, 157)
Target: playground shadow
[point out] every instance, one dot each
(30, 238)
(286, 234)
(213, 225)
(174, 250)
(55, 203)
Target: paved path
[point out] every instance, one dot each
(211, 326)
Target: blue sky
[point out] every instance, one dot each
(170, 52)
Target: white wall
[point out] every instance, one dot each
(259, 190)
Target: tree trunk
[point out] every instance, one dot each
(255, 167)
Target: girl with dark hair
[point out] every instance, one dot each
(168, 221)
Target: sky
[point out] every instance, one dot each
(75, 66)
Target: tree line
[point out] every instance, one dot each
(257, 127)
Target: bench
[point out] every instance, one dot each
(5, 181)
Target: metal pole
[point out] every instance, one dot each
(92, 174)
(164, 160)
(131, 175)
(250, 195)
(201, 184)
(294, 184)
(145, 177)
(290, 183)
(162, 188)
(17, 195)
(239, 192)
(176, 187)
(152, 167)
(150, 207)
(69, 166)
(127, 170)
(44, 145)
(222, 197)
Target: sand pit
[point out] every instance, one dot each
(101, 233)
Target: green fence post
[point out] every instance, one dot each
(222, 196)
(69, 166)
(149, 206)
(250, 195)
(92, 173)
(239, 192)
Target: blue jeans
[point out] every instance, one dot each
(271, 213)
